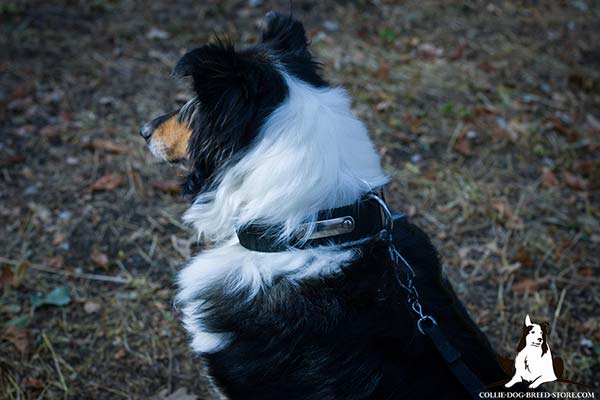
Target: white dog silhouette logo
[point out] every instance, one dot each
(534, 363)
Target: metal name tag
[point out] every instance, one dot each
(328, 227)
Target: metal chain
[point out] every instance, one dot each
(395, 256)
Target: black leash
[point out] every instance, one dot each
(368, 219)
(426, 324)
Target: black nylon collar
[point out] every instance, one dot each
(366, 216)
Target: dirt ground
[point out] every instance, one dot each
(486, 115)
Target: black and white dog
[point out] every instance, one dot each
(297, 298)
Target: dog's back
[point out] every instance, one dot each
(348, 336)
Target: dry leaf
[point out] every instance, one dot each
(383, 106)
(119, 354)
(99, 259)
(20, 338)
(548, 178)
(574, 182)
(587, 167)
(501, 206)
(107, 182)
(524, 258)
(33, 383)
(7, 278)
(179, 394)
(383, 72)
(586, 272)
(108, 146)
(58, 238)
(167, 187)
(16, 159)
(20, 272)
(91, 307)
(463, 145)
(56, 262)
(567, 132)
(527, 285)
(428, 50)
(51, 131)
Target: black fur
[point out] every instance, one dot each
(347, 336)
(237, 90)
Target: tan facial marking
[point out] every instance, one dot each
(173, 136)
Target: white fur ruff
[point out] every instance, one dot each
(311, 154)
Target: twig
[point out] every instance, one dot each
(561, 299)
(74, 274)
(63, 383)
(83, 275)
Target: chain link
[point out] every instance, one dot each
(408, 282)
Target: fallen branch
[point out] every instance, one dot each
(73, 274)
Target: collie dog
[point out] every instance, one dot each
(296, 298)
(534, 363)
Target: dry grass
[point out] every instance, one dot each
(486, 117)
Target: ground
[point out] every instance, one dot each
(486, 115)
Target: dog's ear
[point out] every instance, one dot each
(236, 90)
(528, 320)
(284, 33)
(218, 69)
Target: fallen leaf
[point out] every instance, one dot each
(59, 296)
(51, 131)
(179, 394)
(501, 206)
(463, 145)
(586, 272)
(20, 272)
(91, 307)
(486, 66)
(107, 182)
(99, 258)
(7, 278)
(56, 262)
(108, 146)
(20, 322)
(428, 50)
(383, 106)
(524, 258)
(58, 238)
(119, 354)
(33, 383)
(20, 338)
(383, 72)
(548, 178)
(17, 159)
(155, 33)
(527, 285)
(574, 182)
(570, 134)
(587, 167)
(167, 187)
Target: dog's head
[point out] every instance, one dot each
(235, 92)
(534, 335)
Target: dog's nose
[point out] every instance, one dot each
(540, 339)
(146, 131)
